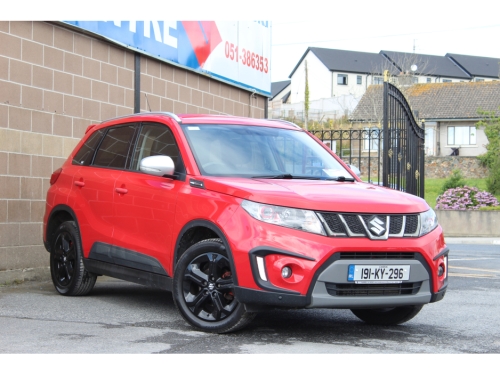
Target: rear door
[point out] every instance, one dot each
(95, 184)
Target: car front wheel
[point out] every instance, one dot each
(388, 316)
(203, 289)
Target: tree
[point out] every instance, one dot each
(491, 159)
(306, 99)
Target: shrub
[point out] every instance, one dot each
(465, 198)
(493, 180)
(455, 180)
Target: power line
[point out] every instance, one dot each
(383, 36)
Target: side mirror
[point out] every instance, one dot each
(158, 165)
(355, 170)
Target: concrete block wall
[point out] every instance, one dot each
(54, 82)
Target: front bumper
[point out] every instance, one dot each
(330, 289)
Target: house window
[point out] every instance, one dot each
(359, 80)
(446, 80)
(462, 135)
(479, 79)
(377, 80)
(371, 138)
(341, 79)
(428, 79)
(415, 79)
(430, 142)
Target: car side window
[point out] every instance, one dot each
(86, 153)
(156, 139)
(114, 148)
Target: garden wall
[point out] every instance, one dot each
(435, 167)
(469, 223)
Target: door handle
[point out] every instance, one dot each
(79, 183)
(121, 190)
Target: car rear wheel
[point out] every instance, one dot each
(203, 289)
(68, 273)
(388, 316)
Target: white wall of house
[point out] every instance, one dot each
(479, 79)
(355, 84)
(319, 80)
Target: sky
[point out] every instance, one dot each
(424, 26)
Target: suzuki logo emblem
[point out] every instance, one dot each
(377, 226)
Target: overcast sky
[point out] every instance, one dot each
(429, 27)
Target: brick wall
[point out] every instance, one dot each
(54, 82)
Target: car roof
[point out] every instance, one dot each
(203, 119)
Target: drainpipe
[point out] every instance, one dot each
(438, 138)
(137, 83)
(250, 110)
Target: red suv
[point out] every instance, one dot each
(236, 215)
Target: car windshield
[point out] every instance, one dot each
(260, 152)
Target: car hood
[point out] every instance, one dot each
(358, 197)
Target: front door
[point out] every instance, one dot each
(144, 205)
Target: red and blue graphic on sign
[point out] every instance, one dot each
(203, 37)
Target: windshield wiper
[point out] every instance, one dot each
(285, 176)
(288, 176)
(340, 178)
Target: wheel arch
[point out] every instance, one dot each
(196, 231)
(59, 215)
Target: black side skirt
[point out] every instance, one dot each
(133, 275)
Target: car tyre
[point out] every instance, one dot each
(203, 289)
(69, 276)
(388, 316)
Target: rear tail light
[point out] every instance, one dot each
(55, 176)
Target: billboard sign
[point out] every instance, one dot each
(237, 52)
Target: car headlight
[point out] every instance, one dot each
(428, 221)
(285, 216)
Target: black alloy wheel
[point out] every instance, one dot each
(64, 259)
(204, 289)
(208, 287)
(69, 275)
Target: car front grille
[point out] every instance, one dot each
(352, 225)
(355, 290)
(377, 255)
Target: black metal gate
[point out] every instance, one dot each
(403, 145)
(392, 155)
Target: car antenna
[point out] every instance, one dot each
(147, 101)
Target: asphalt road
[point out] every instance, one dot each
(120, 317)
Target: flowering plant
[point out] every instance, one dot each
(465, 198)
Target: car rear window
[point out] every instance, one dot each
(113, 151)
(86, 153)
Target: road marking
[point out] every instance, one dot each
(472, 275)
(450, 259)
(474, 269)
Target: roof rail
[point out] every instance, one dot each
(169, 114)
(286, 122)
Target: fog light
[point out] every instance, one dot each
(440, 270)
(286, 272)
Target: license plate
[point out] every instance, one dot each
(366, 274)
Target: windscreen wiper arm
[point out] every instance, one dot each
(340, 178)
(288, 176)
(284, 176)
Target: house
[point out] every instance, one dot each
(337, 79)
(280, 93)
(450, 112)
(426, 68)
(478, 68)
(336, 73)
